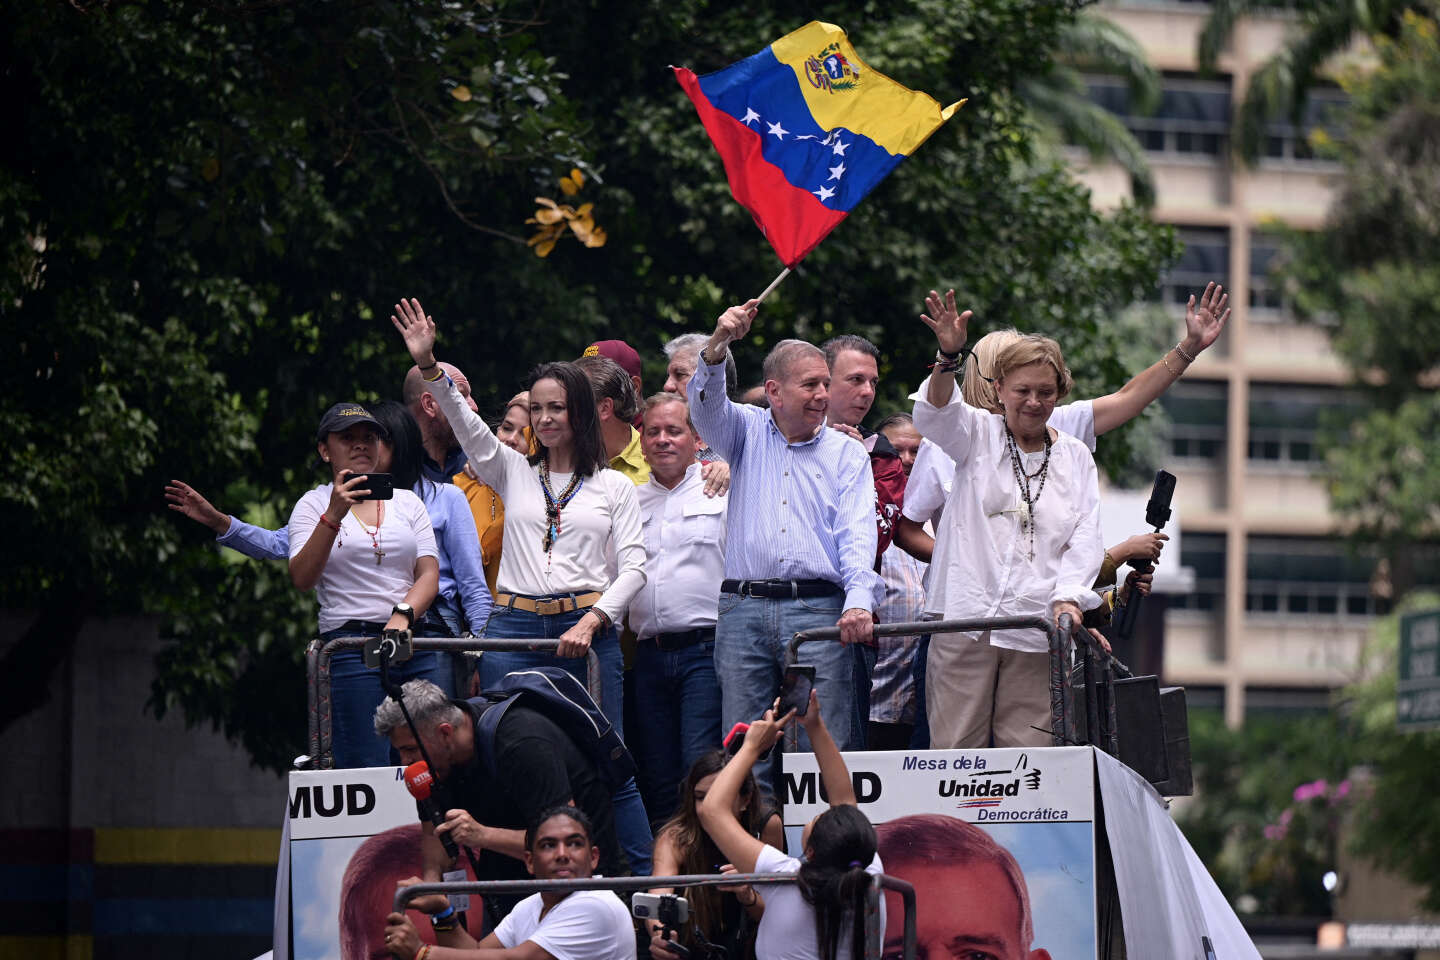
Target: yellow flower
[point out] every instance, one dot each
(553, 221)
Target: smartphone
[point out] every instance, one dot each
(380, 485)
(671, 910)
(734, 739)
(795, 690)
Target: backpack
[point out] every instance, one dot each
(558, 695)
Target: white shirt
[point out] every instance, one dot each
(602, 519)
(981, 566)
(933, 471)
(787, 929)
(587, 925)
(353, 586)
(684, 533)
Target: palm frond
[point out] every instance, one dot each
(1092, 42)
(1078, 120)
(1224, 14)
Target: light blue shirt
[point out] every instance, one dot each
(798, 511)
(462, 576)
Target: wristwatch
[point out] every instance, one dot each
(406, 611)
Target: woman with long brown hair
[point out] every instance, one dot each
(724, 916)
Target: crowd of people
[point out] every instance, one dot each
(684, 538)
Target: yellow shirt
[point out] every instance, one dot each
(631, 461)
(489, 513)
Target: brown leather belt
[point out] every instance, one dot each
(547, 607)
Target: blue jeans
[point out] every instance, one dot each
(920, 736)
(863, 657)
(677, 706)
(750, 643)
(507, 623)
(355, 692)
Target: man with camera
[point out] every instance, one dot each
(491, 789)
(550, 925)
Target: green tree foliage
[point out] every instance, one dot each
(1373, 271)
(1267, 839)
(209, 208)
(1324, 29)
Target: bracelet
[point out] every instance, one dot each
(449, 911)
(1173, 372)
(940, 354)
(605, 620)
(439, 372)
(945, 366)
(1180, 352)
(329, 523)
(422, 952)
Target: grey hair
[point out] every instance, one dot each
(609, 381)
(848, 341)
(779, 361)
(690, 345)
(428, 705)
(901, 419)
(660, 399)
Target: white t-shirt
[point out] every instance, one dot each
(787, 930)
(353, 586)
(587, 925)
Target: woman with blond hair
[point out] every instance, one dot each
(1020, 537)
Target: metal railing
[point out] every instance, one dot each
(1095, 668)
(874, 932)
(317, 678)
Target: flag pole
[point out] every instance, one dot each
(773, 284)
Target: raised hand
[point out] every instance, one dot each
(187, 500)
(1204, 321)
(950, 326)
(732, 325)
(417, 329)
(764, 732)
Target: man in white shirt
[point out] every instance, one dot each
(677, 695)
(553, 925)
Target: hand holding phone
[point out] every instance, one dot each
(795, 690)
(380, 485)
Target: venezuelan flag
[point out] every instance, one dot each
(806, 129)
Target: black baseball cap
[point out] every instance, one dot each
(344, 415)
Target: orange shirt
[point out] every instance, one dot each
(489, 513)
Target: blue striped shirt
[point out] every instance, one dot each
(798, 511)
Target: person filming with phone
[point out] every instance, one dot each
(822, 915)
(372, 564)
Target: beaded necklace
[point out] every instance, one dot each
(1028, 498)
(554, 504)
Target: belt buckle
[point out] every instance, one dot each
(745, 589)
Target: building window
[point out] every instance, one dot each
(1268, 303)
(1197, 412)
(1205, 259)
(1193, 118)
(1205, 554)
(1308, 576)
(1286, 422)
(1285, 141)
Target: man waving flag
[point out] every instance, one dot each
(806, 129)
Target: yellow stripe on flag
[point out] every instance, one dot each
(255, 846)
(862, 100)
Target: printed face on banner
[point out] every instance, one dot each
(999, 845)
(354, 835)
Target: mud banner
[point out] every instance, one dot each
(999, 844)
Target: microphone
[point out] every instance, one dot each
(419, 782)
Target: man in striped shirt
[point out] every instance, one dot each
(801, 530)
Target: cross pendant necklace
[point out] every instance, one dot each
(374, 535)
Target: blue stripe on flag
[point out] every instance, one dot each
(768, 87)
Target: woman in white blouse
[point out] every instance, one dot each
(566, 512)
(1020, 537)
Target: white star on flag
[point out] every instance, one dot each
(840, 148)
(837, 172)
(750, 115)
(777, 131)
(824, 193)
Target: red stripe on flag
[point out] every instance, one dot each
(792, 219)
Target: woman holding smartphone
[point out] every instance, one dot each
(372, 564)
